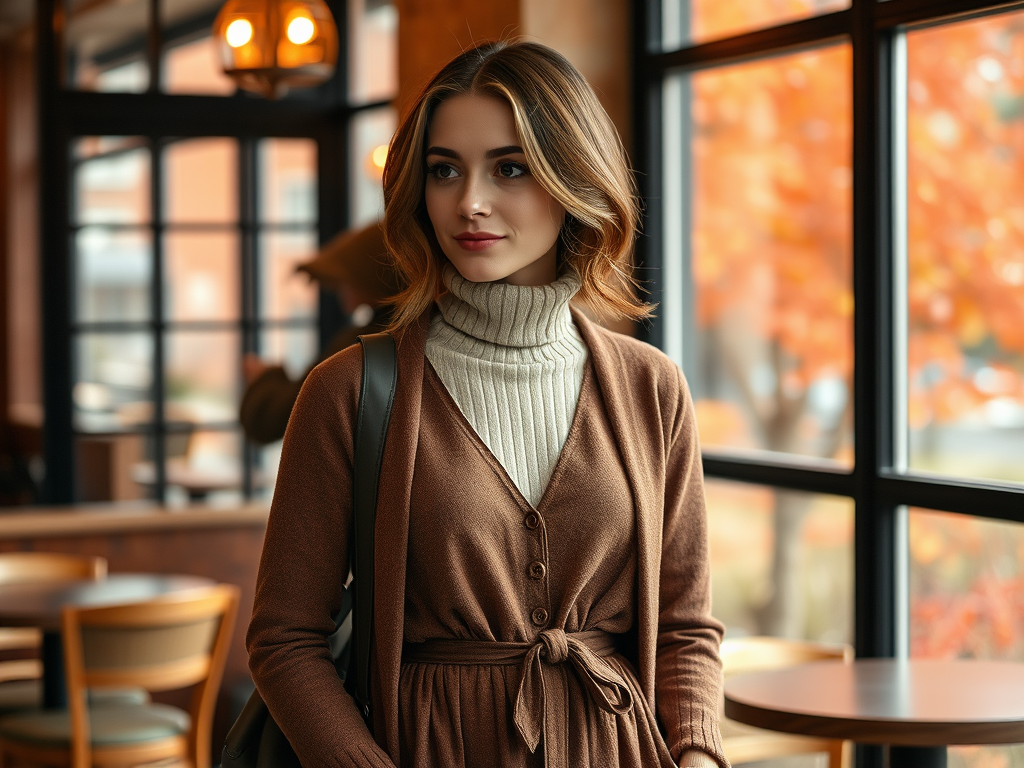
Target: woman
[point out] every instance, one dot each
(542, 591)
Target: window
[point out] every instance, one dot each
(174, 253)
(835, 233)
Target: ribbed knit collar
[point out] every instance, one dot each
(509, 315)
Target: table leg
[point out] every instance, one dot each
(55, 694)
(916, 757)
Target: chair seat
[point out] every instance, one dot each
(110, 725)
(20, 695)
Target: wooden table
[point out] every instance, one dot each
(39, 605)
(915, 708)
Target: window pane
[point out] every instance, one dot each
(201, 181)
(967, 601)
(965, 248)
(373, 50)
(781, 561)
(113, 273)
(106, 45)
(113, 381)
(202, 381)
(288, 181)
(286, 294)
(112, 188)
(295, 349)
(204, 466)
(192, 67)
(371, 133)
(695, 21)
(202, 276)
(769, 333)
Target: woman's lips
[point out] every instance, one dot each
(477, 241)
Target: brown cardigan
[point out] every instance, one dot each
(305, 555)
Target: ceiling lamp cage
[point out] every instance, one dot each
(268, 46)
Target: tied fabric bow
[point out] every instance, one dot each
(541, 696)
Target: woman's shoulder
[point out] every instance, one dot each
(641, 363)
(338, 377)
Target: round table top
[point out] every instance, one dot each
(38, 604)
(886, 701)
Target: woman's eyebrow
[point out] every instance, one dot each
(511, 149)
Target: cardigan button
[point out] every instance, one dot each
(539, 617)
(537, 570)
(532, 521)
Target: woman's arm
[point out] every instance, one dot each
(688, 678)
(302, 571)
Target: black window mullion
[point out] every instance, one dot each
(153, 42)
(248, 197)
(159, 430)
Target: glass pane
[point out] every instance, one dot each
(371, 134)
(202, 276)
(965, 248)
(967, 601)
(113, 381)
(288, 181)
(201, 181)
(204, 466)
(203, 372)
(112, 188)
(770, 334)
(373, 50)
(284, 293)
(696, 21)
(295, 348)
(113, 273)
(781, 561)
(106, 45)
(192, 67)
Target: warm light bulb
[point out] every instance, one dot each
(379, 156)
(301, 30)
(238, 33)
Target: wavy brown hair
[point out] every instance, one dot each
(572, 150)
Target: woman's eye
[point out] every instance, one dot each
(511, 170)
(442, 171)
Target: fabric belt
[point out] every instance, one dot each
(541, 706)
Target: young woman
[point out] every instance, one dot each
(541, 573)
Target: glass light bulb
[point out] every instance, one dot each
(301, 30)
(380, 155)
(238, 33)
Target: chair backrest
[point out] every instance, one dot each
(752, 654)
(168, 642)
(18, 567)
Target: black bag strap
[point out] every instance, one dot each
(380, 379)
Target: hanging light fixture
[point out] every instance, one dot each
(269, 45)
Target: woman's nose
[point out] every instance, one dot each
(474, 201)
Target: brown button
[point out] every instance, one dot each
(532, 521)
(537, 570)
(539, 616)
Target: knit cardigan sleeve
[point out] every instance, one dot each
(688, 672)
(302, 571)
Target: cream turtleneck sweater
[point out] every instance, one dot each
(512, 359)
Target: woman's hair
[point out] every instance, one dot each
(572, 150)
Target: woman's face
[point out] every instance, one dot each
(492, 218)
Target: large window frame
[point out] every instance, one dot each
(881, 490)
(65, 115)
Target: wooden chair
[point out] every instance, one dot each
(743, 743)
(20, 686)
(166, 643)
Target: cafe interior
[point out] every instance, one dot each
(833, 233)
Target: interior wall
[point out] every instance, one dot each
(21, 242)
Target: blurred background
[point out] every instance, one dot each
(834, 201)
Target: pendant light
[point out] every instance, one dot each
(269, 45)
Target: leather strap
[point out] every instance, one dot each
(376, 396)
